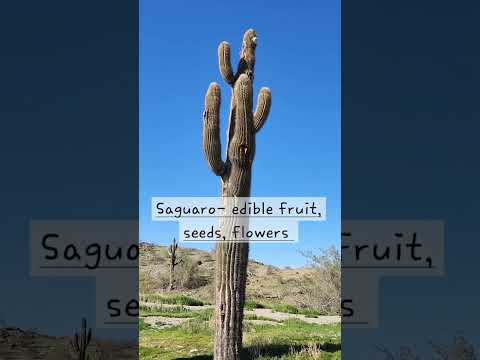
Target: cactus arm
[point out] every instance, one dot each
(263, 108)
(211, 130)
(224, 63)
(74, 343)
(89, 336)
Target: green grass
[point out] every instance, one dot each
(176, 342)
(176, 312)
(256, 317)
(193, 339)
(293, 339)
(182, 300)
(252, 305)
(172, 300)
(142, 325)
(289, 340)
(159, 310)
(284, 308)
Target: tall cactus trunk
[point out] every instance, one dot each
(232, 260)
(235, 173)
(172, 257)
(171, 283)
(231, 271)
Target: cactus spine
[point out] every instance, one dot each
(80, 343)
(172, 255)
(235, 174)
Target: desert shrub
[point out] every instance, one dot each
(322, 289)
(460, 348)
(251, 305)
(207, 293)
(270, 270)
(153, 278)
(310, 352)
(188, 275)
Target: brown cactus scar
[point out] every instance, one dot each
(244, 148)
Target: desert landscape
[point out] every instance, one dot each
(290, 313)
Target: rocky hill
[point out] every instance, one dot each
(194, 277)
(16, 343)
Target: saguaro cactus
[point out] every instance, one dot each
(80, 343)
(235, 174)
(172, 256)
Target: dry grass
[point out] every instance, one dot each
(459, 349)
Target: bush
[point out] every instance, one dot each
(188, 275)
(152, 278)
(323, 289)
(460, 348)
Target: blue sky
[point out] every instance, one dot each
(298, 150)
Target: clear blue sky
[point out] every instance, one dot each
(298, 150)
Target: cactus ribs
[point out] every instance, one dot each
(235, 174)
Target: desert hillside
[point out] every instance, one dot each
(194, 277)
(16, 343)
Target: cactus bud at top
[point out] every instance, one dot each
(247, 55)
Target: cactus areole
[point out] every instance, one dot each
(235, 173)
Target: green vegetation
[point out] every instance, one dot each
(285, 308)
(274, 339)
(178, 325)
(142, 325)
(175, 312)
(290, 340)
(172, 300)
(316, 286)
(257, 317)
(252, 305)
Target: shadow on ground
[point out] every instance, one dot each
(272, 350)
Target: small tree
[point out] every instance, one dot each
(173, 260)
